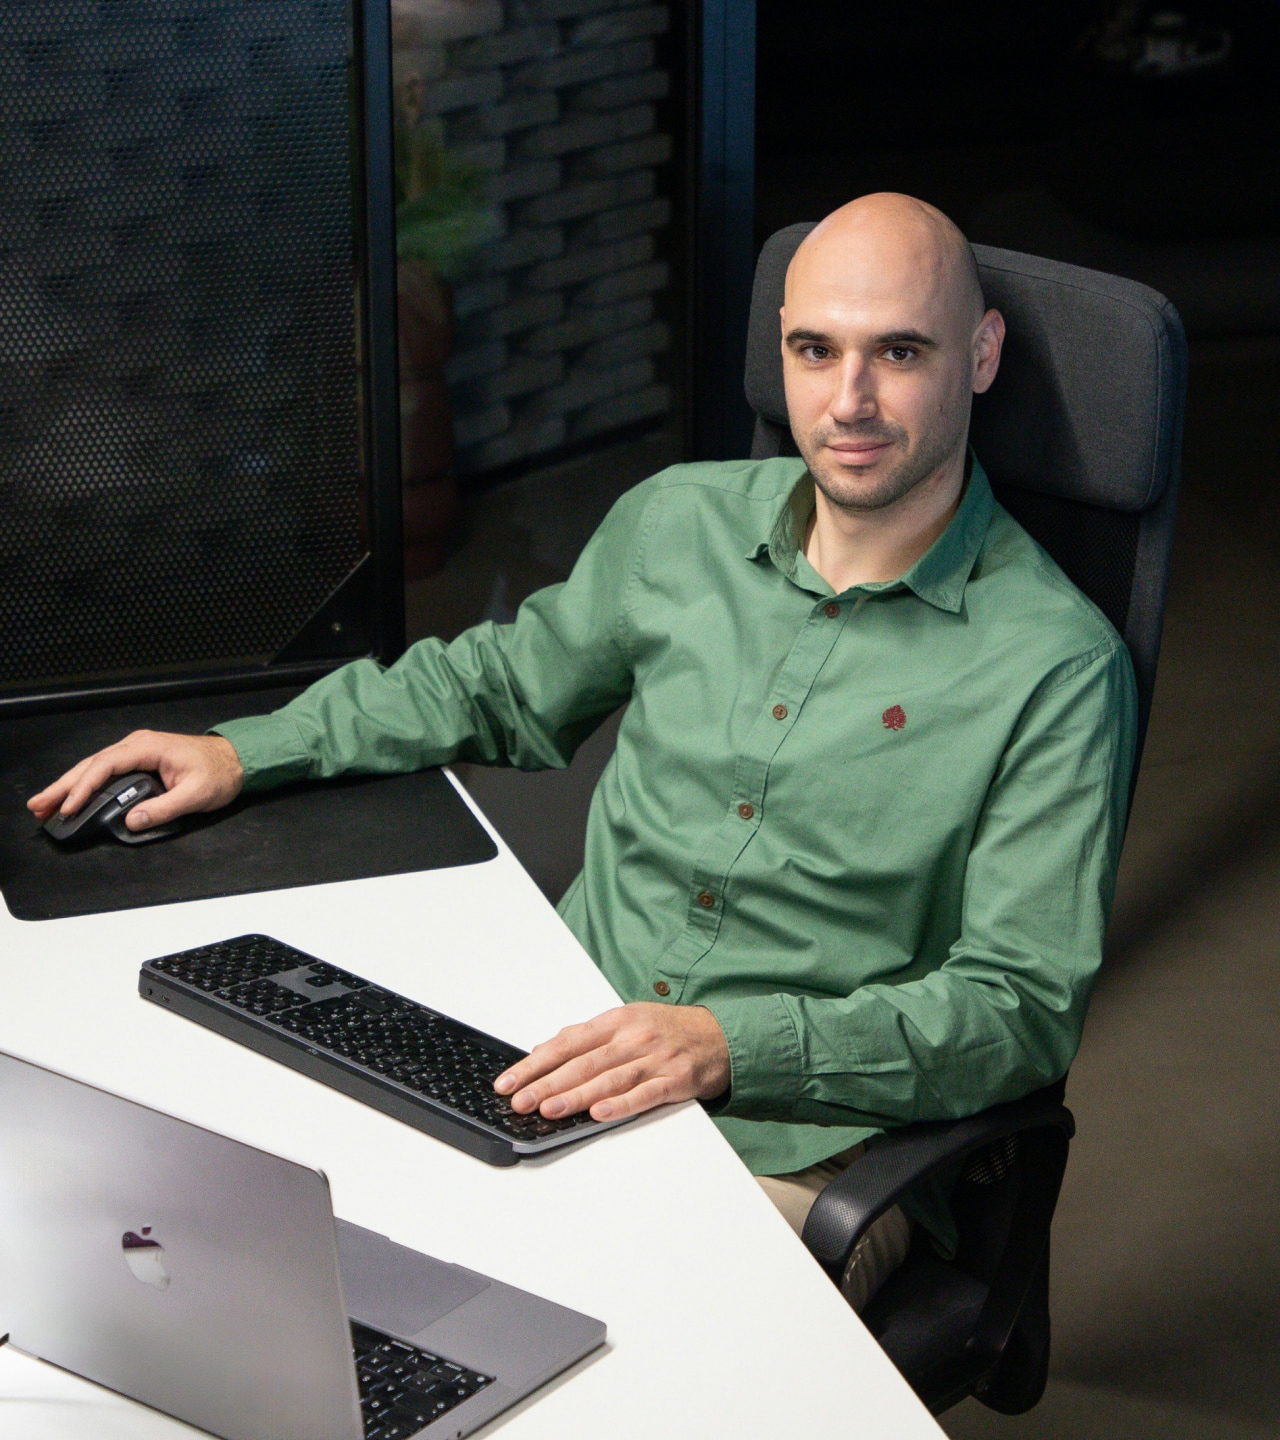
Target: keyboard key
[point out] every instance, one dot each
(411, 1388)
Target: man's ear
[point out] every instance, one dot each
(988, 341)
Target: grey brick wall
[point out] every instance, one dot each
(553, 103)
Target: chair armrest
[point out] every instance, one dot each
(892, 1164)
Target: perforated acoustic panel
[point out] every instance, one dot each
(179, 458)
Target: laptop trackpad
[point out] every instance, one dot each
(390, 1287)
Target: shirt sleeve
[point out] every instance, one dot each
(1003, 1014)
(525, 694)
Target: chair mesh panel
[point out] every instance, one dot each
(178, 415)
(991, 1165)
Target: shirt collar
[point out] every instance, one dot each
(938, 577)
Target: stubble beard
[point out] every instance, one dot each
(854, 492)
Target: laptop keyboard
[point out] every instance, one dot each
(347, 1018)
(403, 1388)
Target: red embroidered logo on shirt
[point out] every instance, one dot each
(894, 718)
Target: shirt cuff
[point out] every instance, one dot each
(270, 747)
(765, 1056)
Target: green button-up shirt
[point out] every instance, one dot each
(875, 833)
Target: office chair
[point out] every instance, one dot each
(1080, 436)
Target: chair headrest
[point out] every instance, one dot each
(1087, 402)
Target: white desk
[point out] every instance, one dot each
(719, 1322)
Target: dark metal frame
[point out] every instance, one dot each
(724, 235)
(381, 371)
(380, 415)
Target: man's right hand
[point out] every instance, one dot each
(200, 772)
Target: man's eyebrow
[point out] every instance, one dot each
(894, 337)
(907, 337)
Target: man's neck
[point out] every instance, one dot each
(862, 547)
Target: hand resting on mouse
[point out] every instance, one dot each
(200, 772)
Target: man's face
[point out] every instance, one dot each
(882, 351)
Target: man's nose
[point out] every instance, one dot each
(854, 397)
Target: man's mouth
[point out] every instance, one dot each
(859, 452)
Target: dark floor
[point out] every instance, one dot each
(1166, 1294)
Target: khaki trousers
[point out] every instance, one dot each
(880, 1251)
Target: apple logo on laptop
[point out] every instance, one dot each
(145, 1257)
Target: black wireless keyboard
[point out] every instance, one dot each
(379, 1047)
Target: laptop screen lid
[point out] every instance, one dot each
(172, 1264)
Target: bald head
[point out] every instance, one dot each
(890, 243)
(885, 340)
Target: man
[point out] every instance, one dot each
(851, 862)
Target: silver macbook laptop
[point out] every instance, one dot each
(210, 1280)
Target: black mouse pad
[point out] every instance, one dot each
(347, 829)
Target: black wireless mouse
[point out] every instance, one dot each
(103, 813)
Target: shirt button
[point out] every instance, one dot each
(660, 987)
(706, 899)
(779, 712)
(831, 609)
(746, 810)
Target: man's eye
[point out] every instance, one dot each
(815, 352)
(900, 354)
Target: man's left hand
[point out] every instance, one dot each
(623, 1062)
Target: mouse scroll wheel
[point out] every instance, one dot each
(126, 795)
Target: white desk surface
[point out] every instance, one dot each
(719, 1322)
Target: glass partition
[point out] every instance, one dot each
(539, 177)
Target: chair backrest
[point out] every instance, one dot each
(1081, 433)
